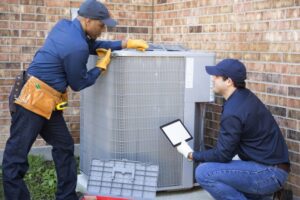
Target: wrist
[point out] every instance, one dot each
(190, 156)
(124, 44)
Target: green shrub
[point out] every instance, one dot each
(41, 178)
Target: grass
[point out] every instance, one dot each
(40, 178)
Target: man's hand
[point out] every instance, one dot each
(103, 58)
(184, 149)
(140, 45)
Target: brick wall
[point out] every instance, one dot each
(264, 34)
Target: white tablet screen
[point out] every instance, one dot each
(176, 132)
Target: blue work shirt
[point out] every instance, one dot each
(248, 129)
(61, 61)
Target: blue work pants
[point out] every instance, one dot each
(25, 128)
(240, 180)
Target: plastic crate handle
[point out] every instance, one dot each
(123, 171)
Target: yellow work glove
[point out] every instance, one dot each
(140, 45)
(104, 58)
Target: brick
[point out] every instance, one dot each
(294, 179)
(22, 25)
(41, 10)
(293, 13)
(8, 16)
(161, 1)
(4, 24)
(293, 135)
(42, 26)
(117, 29)
(275, 110)
(57, 3)
(28, 2)
(195, 29)
(30, 50)
(273, 14)
(292, 145)
(75, 4)
(294, 114)
(28, 17)
(53, 11)
(294, 91)
(138, 30)
(4, 7)
(261, 5)
(9, 33)
(4, 57)
(281, 4)
(53, 18)
(10, 65)
(289, 80)
(22, 41)
(276, 89)
(269, 57)
(27, 33)
(10, 49)
(294, 157)
(287, 123)
(40, 2)
(27, 9)
(293, 103)
(40, 42)
(292, 58)
(21, 57)
(250, 56)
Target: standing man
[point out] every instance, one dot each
(248, 129)
(59, 63)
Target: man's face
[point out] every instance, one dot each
(94, 28)
(220, 85)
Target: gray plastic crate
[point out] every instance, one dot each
(123, 178)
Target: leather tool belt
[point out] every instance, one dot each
(40, 98)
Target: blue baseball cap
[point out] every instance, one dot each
(95, 10)
(231, 68)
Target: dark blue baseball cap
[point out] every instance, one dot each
(231, 68)
(95, 10)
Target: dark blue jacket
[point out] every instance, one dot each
(61, 61)
(248, 129)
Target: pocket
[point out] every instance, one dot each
(36, 99)
(43, 101)
(268, 185)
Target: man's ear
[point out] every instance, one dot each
(230, 81)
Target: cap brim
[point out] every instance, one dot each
(110, 22)
(213, 70)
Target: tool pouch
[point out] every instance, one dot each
(15, 91)
(38, 97)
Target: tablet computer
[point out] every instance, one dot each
(176, 132)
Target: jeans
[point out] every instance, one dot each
(240, 180)
(24, 130)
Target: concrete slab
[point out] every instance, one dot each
(192, 194)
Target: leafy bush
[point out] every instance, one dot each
(41, 178)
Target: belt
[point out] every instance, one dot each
(283, 166)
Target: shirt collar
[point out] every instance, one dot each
(77, 24)
(233, 94)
